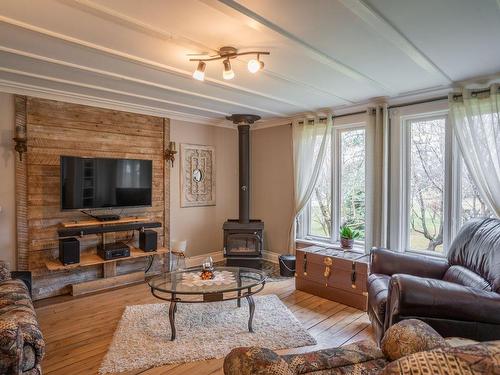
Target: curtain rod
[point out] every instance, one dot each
(407, 104)
(392, 106)
(418, 102)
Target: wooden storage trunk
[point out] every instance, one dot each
(333, 274)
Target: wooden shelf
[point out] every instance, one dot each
(94, 259)
(88, 223)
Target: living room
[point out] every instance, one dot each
(249, 187)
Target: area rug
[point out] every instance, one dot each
(204, 331)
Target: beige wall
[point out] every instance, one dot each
(7, 191)
(202, 226)
(272, 184)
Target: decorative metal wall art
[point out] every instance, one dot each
(197, 177)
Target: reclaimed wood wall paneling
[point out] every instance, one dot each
(56, 128)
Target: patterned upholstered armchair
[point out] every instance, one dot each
(21, 341)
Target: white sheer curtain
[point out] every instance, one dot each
(309, 143)
(475, 118)
(377, 164)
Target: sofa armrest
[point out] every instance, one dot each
(362, 354)
(413, 296)
(4, 271)
(389, 263)
(24, 276)
(255, 361)
(11, 348)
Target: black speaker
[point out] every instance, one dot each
(148, 240)
(69, 250)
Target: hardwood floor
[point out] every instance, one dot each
(78, 331)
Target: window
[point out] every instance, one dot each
(339, 195)
(320, 206)
(437, 192)
(352, 179)
(426, 183)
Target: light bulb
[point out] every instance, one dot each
(199, 73)
(255, 65)
(228, 71)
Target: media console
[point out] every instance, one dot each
(107, 254)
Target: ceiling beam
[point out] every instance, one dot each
(390, 33)
(167, 36)
(107, 89)
(115, 16)
(307, 48)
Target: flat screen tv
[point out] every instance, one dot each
(90, 183)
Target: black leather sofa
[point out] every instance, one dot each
(457, 296)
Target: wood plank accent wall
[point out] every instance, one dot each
(56, 128)
(21, 189)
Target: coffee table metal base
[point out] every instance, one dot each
(173, 309)
(170, 287)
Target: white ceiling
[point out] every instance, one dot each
(325, 54)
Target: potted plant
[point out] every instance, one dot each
(347, 236)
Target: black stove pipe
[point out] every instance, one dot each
(244, 178)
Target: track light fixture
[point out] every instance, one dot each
(199, 73)
(226, 54)
(255, 65)
(228, 71)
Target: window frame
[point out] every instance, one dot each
(449, 187)
(304, 220)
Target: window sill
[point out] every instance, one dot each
(357, 248)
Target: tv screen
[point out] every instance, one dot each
(105, 183)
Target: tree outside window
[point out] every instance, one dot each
(323, 213)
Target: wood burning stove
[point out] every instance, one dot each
(244, 238)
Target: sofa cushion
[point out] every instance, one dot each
(408, 337)
(378, 286)
(463, 276)
(476, 247)
(477, 359)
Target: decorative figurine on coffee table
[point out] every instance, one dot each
(207, 270)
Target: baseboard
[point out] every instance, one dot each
(271, 256)
(92, 286)
(218, 256)
(197, 260)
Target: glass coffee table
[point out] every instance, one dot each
(185, 286)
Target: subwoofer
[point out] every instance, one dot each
(69, 250)
(148, 240)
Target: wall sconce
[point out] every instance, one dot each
(170, 153)
(21, 146)
(21, 141)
